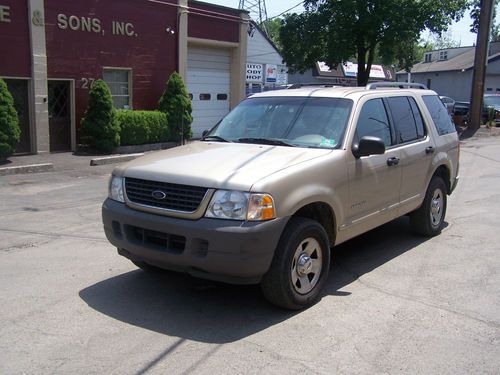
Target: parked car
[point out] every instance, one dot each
(491, 103)
(283, 178)
(449, 103)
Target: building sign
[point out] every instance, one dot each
(93, 25)
(271, 73)
(351, 70)
(282, 79)
(254, 73)
(4, 13)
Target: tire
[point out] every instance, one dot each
(300, 265)
(428, 220)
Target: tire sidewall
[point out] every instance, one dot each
(436, 183)
(316, 231)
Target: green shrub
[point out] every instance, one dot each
(176, 104)
(139, 127)
(9, 122)
(99, 127)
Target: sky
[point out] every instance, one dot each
(459, 31)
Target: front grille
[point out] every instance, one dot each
(156, 240)
(182, 198)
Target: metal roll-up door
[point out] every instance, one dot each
(208, 83)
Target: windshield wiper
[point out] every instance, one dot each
(265, 141)
(214, 138)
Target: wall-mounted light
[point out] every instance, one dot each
(170, 30)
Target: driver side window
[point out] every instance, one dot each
(373, 121)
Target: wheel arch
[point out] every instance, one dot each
(322, 213)
(443, 171)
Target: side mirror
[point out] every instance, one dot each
(368, 146)
(204, 134)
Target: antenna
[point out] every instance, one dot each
(257, 11)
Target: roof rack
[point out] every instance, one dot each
(324, 85)
(400, 85)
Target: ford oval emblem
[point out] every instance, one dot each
(158, 194)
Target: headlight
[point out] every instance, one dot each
(237, 205)
(116, 189)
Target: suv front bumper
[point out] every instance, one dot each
(238, 252)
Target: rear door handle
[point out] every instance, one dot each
(392, 161)
(429, 150)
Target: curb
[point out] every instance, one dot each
(32, 168)
(114, 159)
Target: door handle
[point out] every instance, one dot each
(429, 150)
(392, 161)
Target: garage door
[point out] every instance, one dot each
(208, 83)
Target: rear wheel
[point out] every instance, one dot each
(300, 266)
(428, 220)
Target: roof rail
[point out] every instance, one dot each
(323, 85)
(400, 85)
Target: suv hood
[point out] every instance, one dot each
(217, 165)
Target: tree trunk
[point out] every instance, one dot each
(362, 75)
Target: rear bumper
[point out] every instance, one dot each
(225, 250)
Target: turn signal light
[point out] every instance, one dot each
(261, 207)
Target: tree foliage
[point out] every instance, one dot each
(273, 27)
(9, 122)
(176, 104)
(99, 127)
(335, 31)
(475, 11)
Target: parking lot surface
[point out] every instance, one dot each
(394, 302)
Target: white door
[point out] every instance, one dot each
(208, 83)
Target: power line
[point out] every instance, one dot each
(295, 6)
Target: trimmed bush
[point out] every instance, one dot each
(176, 104)
(99, 127)
(139, 127)
(9, 123)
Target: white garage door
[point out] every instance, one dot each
(208, 83)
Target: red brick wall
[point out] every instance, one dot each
(203, 23)
(15, 55)
(81, 54)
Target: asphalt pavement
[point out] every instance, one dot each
(394, 302)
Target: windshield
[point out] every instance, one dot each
(492, 101)
(286, 121)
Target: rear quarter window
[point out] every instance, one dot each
(439, 114)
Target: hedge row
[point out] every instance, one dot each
(139, 127)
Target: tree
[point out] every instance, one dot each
(475, 10)
(9, 122)
(176, 104)
(99, 126)
(335, 31)
(273, 27)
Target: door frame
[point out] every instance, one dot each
(71, 106)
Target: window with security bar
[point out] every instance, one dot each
(118, 81)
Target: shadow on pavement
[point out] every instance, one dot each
(205, 311)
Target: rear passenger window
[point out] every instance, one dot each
(439, 114)
(373, 121)
(404, 120)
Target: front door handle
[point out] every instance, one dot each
(392, 161)
(429, 150)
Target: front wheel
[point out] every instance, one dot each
(300, 265)
(428, 220)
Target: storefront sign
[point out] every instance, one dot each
(282, 79)
(271, 73)
(93, 25)
(254, 73)
(37, 18)
(4, 13)
(351, 70)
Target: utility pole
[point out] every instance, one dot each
(257, 11)
(480, 61)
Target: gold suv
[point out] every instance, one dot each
(287, 175)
